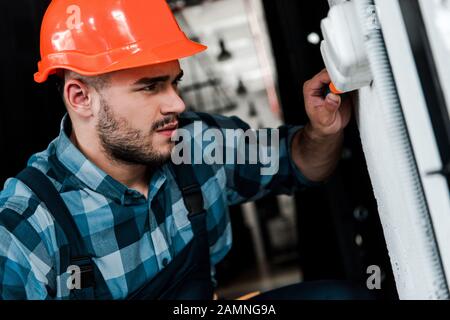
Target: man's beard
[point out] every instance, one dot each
(124, 144)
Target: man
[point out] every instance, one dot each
(131, 224)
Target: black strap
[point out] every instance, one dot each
(44, 189)
(190, 189)
(47, 193)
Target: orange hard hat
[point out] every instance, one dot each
(93, 37)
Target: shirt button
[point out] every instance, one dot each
(165, 262)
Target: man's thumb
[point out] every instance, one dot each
(332, 102)
(328, 111)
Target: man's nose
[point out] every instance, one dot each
(173, 103)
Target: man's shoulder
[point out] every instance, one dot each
(24, 221)
(27, 229)
(18, 201)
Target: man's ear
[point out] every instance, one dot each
(78, 98)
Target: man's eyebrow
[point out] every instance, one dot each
(148, 81)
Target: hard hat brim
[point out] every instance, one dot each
(140, 57)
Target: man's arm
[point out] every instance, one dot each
(18, 271)
(299, 156)
(26, 266)
(316, 148)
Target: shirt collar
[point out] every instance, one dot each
(92, 176)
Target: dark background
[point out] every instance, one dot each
(329, 218)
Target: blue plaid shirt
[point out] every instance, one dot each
(130, 237)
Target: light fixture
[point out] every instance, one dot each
(252, 110)
(313, 38)
(224, 53)
(241, 90)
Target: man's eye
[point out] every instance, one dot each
(152, 87)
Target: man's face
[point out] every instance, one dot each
(138, 114)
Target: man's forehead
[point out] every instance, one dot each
(171, 68)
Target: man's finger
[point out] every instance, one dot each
(326, 113)
(320, 80)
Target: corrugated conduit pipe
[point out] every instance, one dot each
(401, 145)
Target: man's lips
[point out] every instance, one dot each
(168, 129)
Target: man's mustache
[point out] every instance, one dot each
(163, 122)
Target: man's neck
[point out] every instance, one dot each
(135, 177)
